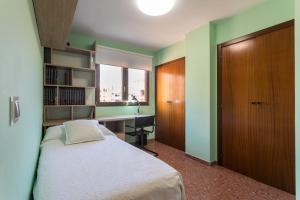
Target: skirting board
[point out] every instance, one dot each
(202, 161)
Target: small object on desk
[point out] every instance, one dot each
(134, 98)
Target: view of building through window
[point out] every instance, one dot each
(111, 88)
(110, 83)
(136, 84)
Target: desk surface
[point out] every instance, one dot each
(119, 118)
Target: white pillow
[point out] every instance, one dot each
(105, 131)
(82, 131)
(54, 133)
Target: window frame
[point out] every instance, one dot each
(124, 90)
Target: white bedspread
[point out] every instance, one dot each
(104, 170)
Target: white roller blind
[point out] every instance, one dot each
(116, 57)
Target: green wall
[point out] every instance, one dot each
(202, 61)
(20, 75)
(170, 53)
(257, 18)
(86, 42)
(297, 18)
(198, 92)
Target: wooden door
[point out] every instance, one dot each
(170, 104)
(258, 107)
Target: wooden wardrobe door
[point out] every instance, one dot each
(257, 98)
(177, 106)
(283, 66)
(236, 146)
(163, 79)
(170, 104)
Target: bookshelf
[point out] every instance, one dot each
(69, 85)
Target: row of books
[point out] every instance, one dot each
(53, 76)
(50, 96)
(68, 78)
(72, 96)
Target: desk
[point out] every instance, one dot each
(119, 118)
(117, 124)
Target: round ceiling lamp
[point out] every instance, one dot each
(155, 7)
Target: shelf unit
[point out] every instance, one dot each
(69, 85)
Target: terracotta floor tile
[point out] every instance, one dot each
(215, 182)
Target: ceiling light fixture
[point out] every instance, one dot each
(155, 7)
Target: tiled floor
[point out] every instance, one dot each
(215, 183)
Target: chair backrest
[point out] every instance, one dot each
(147, 121)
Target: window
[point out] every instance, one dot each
(116, 86)
(110, 83)
(137, 84)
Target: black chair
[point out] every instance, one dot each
(138, 130)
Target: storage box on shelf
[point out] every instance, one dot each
(69, 85)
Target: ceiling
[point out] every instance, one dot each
(121, 21)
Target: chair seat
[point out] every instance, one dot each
(134, 133)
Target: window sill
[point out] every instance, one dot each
(107, 104)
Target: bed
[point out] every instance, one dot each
(109, 169)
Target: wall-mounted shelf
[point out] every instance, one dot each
(55, 106)
(69, 85)
(53, 122)
(70, 67)
(54, 19)
(81, 51)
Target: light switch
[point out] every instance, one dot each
(14, 110)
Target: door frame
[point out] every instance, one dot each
(155, 82)
(219, 75)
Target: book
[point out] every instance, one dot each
(47, 75)
(51, 75)
(55, 76)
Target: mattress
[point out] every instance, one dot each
(109, 169)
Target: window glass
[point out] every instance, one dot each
(110, 83)
(137, 84)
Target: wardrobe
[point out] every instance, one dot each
(170, 103)
(257, 106)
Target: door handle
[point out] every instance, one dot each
(256, 103)
(169, 101)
